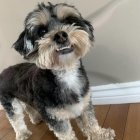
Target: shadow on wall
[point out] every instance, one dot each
(97, 78)
(99, 18)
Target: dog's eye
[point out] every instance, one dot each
(42, 31)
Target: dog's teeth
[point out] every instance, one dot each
(67, 47)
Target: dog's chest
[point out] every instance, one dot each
(70, 80)
(70, 111)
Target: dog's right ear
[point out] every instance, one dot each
(23, 45)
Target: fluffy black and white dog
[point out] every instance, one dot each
(53, 86)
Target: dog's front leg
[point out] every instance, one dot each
(88, 123)
(62, 129)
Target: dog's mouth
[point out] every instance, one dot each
(65, 49)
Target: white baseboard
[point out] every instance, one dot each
(116, 93)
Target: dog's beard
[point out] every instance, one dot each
(49, 58)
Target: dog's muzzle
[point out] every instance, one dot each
(64, 46)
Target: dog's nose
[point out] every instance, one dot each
(61, 37)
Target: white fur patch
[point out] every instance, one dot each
(71, 79)
(29, 45)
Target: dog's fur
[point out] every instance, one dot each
(54, 86)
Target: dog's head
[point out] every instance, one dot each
(55, 36)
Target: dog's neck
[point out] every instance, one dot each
(70, 77)
(71, 69)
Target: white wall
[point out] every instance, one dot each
(115, 57)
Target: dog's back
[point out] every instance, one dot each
(10, 79)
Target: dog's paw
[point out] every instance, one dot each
(24, 135)
(103, 134)
(107, 134)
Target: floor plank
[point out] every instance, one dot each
(101, 112)
(4, 132)
(5, 126)
(116, 119)
(9, 136)
(77, 130)
(132, 131)
(48, 135)
(37, 130)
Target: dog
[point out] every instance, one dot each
(53, 86)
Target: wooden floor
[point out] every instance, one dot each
(124, 119)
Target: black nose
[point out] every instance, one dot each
(61, 37)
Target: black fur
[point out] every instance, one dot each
(33, 85)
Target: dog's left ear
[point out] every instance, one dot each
(90, 27)
(23, 45)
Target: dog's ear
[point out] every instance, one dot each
(89, 27)
(23, 45)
